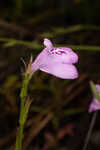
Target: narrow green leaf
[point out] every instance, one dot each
(94, 90)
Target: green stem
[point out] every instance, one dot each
(19, 138)
(90, 131)
(36, 45)
(75, 28)
(13, 42)
(23, 96)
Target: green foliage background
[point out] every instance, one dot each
(23, 25)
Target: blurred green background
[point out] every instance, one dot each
(58, 115)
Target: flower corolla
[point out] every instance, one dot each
(95, 104)
(58, 61)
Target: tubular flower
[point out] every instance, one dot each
(56, 61)
(95, 104)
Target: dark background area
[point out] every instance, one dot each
(58, 118)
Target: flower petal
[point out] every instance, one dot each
(64, 55)
(95, 105)
(40, 59)
(64, 71)
(56, 61)
(48, 43)
(98, 88)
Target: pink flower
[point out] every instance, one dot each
(56, 61)
(95, 104)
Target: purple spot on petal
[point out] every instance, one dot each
(58, 51)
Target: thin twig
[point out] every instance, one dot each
(90, 131)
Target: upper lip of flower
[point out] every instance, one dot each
(66, 55)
